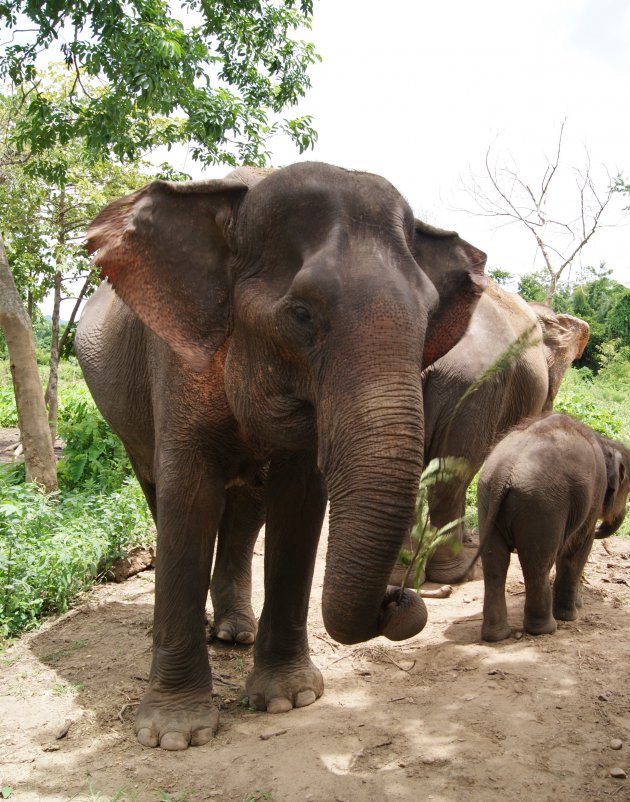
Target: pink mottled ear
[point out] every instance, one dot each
(456, 270)
(164, 250)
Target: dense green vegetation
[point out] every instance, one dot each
(52, 547)
(599, 300)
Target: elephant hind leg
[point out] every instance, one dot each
(447, 503)
(538, 619)
(496, 561)
(231, 586)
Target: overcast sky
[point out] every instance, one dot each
(418, 91)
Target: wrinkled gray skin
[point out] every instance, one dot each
(527, 387)
(541, 492)
(263, 349)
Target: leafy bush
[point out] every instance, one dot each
(586, 410)
(92, 456)
(8, 412)
(52, 547)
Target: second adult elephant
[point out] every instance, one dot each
(469, 428)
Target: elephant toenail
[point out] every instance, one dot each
(279, 705)
(305, 698)
(245, 637)
(147, 737)
(202, 736)
(174, 741)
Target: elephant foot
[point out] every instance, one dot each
(565, 613)
(540, 626)
(175, 721)
(495, 632)
(436, 593)
(280, 689)
(235, 626)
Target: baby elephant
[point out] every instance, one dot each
(541, 492)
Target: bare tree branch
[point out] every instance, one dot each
(503, 193)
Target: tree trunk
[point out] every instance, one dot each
(73, 314)
(51, 396)
(34, 430)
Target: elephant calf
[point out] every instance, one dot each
(541, 492)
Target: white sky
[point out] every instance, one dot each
(417, 91)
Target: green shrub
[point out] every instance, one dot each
(93, 456)
(8, 412)
(52, 547)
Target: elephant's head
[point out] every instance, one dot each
(617, 458)
(330, 298)
(564, 340)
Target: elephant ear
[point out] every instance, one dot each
(165, 252)
(564, 340)
(456, 270)
(615, 476)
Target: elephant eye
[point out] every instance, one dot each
(301, 313)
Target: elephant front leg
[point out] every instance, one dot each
(231, 586)
(284, 676)
(177, 709)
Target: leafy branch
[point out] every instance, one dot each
(426, 538)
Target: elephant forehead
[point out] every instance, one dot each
(318, 195)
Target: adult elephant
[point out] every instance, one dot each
(468, 426)
(263, 348)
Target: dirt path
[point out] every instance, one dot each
(440, 717)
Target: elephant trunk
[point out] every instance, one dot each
(608, 528)
(372, 468)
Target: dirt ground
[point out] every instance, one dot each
(9, 442)
(439, 717)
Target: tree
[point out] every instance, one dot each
(217, 83)
(596, 298)
(37, 442)
(503, 193)
(502, 277)
(619, 319)
(532, 287)
(45, 221)
(36, 438)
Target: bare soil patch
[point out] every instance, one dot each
(439, 717)
(10, 441)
